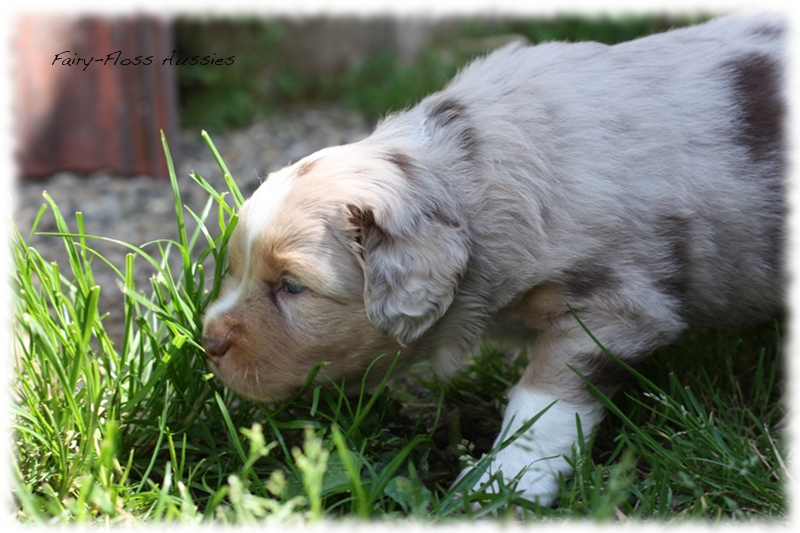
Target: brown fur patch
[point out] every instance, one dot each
(403, 162)
(675, 279)
(448, 112)
(305, 167)
(756, 86)
(584, 282)
(538, 308)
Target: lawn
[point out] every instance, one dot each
(139, 431)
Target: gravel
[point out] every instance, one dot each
(140, 209)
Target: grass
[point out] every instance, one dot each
(137, 431)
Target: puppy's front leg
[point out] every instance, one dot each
(552, 386)
(540, 454)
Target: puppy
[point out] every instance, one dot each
(639, 185)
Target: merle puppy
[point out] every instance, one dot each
(640, 185)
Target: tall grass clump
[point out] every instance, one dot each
(137, 431)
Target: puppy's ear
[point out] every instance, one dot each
(413, 257)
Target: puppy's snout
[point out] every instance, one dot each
(215, 346)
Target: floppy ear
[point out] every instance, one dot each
(413, 258)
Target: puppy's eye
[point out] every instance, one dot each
(293, 287)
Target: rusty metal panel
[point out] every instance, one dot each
(92, 94)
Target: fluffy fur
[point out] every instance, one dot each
(641, 184)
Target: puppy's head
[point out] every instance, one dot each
(339, 258)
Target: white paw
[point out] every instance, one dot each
(535, 478)
(534, 461)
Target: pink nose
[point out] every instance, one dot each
(215, 347)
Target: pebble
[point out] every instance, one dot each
(140, 209)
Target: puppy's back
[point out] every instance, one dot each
(672, 144)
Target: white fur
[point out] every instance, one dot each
(261, 211)
(539, 455)
(268, 198)
(227, 301)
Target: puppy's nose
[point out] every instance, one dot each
(215, 347)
